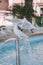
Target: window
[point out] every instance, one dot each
(41, 11)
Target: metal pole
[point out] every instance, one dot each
(17, 52)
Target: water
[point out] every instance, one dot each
(28, 56)
(30, 50)
(26, 47)
(8, 52)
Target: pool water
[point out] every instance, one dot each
(29, 54)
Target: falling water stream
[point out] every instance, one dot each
(10, 49)
(23, 51)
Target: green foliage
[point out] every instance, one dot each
(28, 11)
(22, 11)
(16, 9)
(38, 21)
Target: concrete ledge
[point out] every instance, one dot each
(33, 34)
(36, 34)
(5, 37)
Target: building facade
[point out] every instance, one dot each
(19, 2)
(3, 4)
(38, 7)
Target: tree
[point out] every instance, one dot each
(28, 3)
(23, 11)
(28, 12)
(17, 10)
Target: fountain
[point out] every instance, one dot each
(20, 51)
(15, 46)
(27, 48)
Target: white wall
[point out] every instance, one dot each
(36, 6)
(38, 10)
(16, 1)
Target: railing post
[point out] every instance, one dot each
(17, 52)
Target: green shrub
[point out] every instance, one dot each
(22, 11)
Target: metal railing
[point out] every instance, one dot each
(17, 49)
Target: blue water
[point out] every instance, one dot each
(28, 56)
